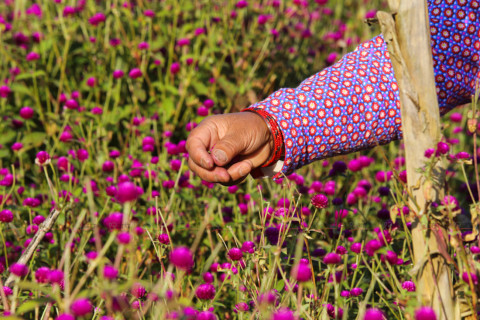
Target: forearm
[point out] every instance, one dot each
(355, 105)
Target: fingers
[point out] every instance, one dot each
(217, 174)
(240, 170)
(197, 146)
(226, 149)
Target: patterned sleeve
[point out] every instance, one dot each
(355, 105)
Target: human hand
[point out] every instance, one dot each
(226, 148)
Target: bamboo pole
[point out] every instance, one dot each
(409, 46)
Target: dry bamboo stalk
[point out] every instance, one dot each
(409, 46)
(42, 230)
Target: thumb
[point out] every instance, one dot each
(227, 149)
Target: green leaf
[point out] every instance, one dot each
(4, 153)
(168, 106)
(7, 137)
(200, 88)
(34, 138)
(30, 305)
(280, 285)
(28, 75)
(19, 88)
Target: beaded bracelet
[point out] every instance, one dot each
(272, 125)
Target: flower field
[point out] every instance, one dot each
(97, 99)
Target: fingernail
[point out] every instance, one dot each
(241, 172)
(204, 163)
(220, 155)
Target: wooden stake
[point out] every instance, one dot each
(409, 46)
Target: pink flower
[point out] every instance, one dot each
(332, 258)
(81, 307)
(32, 56)
(302, 272)
(320, 201)
(5, 91)
(182, 258)
(26, 113)
(91, 82)
(205, 291)
(425, 313)
(235, 254)
(126, 192)
(135, 73)
(175, 68)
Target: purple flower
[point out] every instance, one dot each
(356, 292)
(206, 315)
(163, 238)
(149, 13)
(183, 42)
(320, 201)
(135, 73)
(108, 166)
(235, 254)
(456, 117)
(248, 247)
(302, 272)
(182, 258)
(425, 313)
(205, 291)
(18, 269)
(372, 246)
(82, 154)
(68, 11)
(374, 314)
(263, 18)
(442, 148)
(91, 82)
(4, 91)
(124, 238)
(283, 314)
(55, 276)
(26, 113)
(138, 291)
(17, 146)
(409, 286)
(175, 68)
(6, 216)
(331, 58)
(96, 19)
(241, 4)
(127, 192)
(81, 307)
(117, 74)
(473, 276)
(32, 56)
(41, 275)
(109, 272)
(143, 46)
(332, 258)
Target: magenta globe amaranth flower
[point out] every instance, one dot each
(6, 216)
(56, 276)
(283, 314)
(41, 275)
(124, 238)
(81, 307)
(320, 201)
(205, 291)
(442, 148)
(110, 272)
(409, 286)
(235, 254)
(302, 272)
(32, 56)
(374, 314)
(117, 74)
(26, 113)
(425, 313)
(138, 291)
(126, 192)
(135, 73)
(332, 258)
(473, 277)
(175, 68)
(206, 315)
(5, 91)
(182, 258)
(18, 269)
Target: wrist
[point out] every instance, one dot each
(274, 136)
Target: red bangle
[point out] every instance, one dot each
(276, 133)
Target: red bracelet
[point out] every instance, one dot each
(276, 133)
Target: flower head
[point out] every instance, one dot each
(182, 258)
